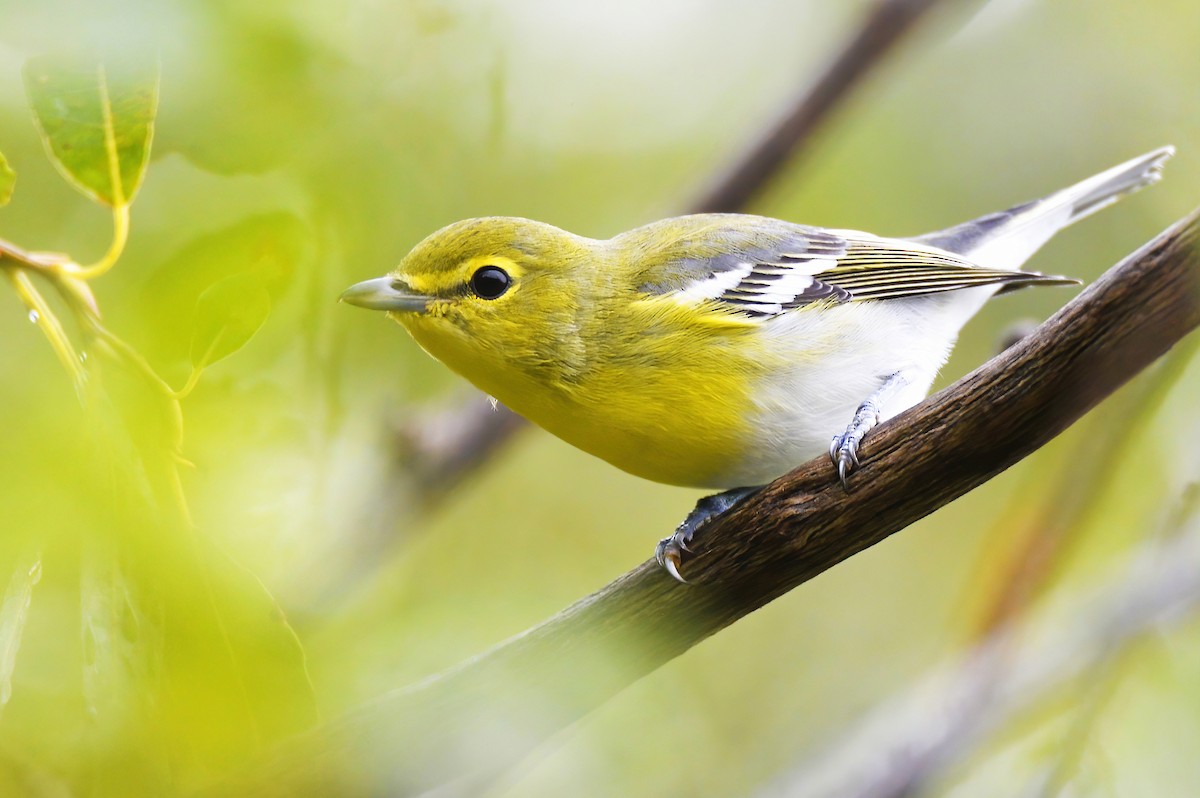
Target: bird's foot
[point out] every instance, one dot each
(669, 552)
(843, 450)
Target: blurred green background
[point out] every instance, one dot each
(314, 143)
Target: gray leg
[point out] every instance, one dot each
(670, 550)
(843, 450)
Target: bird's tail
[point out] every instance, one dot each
(1084, 199)
(1005, 240)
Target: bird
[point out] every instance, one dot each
(717, 350)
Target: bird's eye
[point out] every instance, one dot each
(489, 282)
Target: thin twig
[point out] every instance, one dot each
(41, 315)
(488, 713)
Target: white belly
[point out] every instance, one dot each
(826, 363)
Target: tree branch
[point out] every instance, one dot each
(881, 30)
(486, 714)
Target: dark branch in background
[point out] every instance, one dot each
(883, 28)
(487, 714)
(439, 448)
(923, 732)
(438, 459)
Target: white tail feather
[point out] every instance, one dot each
(1006, 240)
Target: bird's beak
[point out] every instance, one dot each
(385, 293)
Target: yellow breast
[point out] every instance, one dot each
(669, 403)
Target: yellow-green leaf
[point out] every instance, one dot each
(96, 122)
(272, 245)
(7, 178)
(228, 314)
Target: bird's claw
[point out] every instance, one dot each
(669, 552)
(843, 450)
(845, 464)
(669, 560)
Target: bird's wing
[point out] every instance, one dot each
(885, 268)
(795, 267)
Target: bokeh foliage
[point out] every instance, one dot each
(188, 578)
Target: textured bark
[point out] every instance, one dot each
(532, 686)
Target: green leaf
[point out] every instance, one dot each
(96, 122)
(7, 179)
(235, 678)
(266, 657)
(228, 315)
(13, 615)
(179, 641)
(272, 245)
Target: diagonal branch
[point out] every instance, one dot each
(488, 713)
(881, 30)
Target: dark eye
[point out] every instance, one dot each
(489, 282)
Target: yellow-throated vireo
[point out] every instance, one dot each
(716, 350)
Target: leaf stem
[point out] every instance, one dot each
(120, 206)
(48, 323)
(120, 236)
(190, 385)
(131, 355)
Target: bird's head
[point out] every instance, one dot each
(489, 295)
